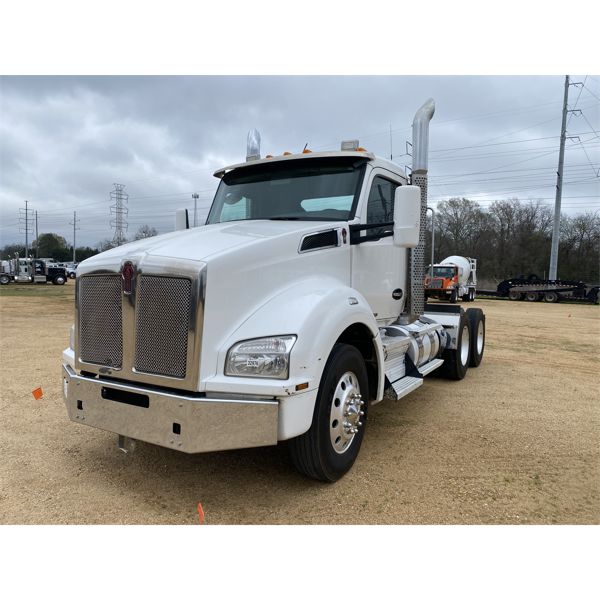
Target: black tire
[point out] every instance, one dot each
(514, 295)
(532, 296)
(477, 336)
(551, 297)
(472, 293)
(456, 361)
(4, 279)
(313, 453)
(71, 275)
(466, 297)
(454, 296)
(59, 280)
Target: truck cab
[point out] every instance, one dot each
(284, 317)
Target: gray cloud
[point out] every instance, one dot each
(65, 140)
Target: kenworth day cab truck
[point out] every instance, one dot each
(455, 277)
(285, 317)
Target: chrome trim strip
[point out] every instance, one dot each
(148, 265)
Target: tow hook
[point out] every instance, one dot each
(126, 444)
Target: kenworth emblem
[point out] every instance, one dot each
(127, 275)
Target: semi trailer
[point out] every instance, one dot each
(284, 318)
(455, 277)
(534, 289)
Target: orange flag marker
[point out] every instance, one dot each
(200, 513)
(37, 393)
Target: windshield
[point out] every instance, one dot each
(446, 272)
(311, 189)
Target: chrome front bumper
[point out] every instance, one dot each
(186, 423)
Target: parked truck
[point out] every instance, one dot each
(31, 270)
(455, 277)
(284, 318)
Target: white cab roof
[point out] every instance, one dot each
(375, 161)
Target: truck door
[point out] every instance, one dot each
(39, 271)
(379, 267)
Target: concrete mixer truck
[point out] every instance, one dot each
(455, 277)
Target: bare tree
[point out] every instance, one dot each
(145, 231)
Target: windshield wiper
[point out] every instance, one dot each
(284, 218)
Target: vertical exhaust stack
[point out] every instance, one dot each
(416, 304)
(253, 145)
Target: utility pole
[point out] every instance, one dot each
(37, 240)
(75, 228)
(25, 226)
(195, 197)
(559, 180)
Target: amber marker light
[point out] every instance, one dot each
(301, 386)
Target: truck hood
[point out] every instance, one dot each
(202, 243)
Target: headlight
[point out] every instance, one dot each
(72, 337)
(263, 357)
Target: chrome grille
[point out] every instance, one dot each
(100, 320)
(163, 314)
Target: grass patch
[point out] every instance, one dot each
(33, 290)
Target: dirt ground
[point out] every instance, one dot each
(517, 441)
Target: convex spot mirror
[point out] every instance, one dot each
(407, 216)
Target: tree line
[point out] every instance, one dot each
(52, 245)
(513, 239)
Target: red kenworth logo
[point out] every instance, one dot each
(127, 274)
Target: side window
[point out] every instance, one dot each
(380, 207)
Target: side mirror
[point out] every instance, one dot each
(182, 220)
(407, 216)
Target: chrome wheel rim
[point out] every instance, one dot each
(464, 346)
(346, 411)
(480, 336)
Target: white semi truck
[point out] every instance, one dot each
(285, 317)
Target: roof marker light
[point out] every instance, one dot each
(349, 145)
(286, 153)
(306, 151)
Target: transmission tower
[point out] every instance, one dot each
(26, 225)
(119, 212)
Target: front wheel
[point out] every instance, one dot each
(329, 448)
(454, 296)
(59, 280)
(4, 279)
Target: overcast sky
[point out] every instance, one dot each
(64, 141)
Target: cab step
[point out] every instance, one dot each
(406, 385)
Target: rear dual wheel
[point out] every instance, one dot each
(470, 345)
(477, 321)
(329, 448)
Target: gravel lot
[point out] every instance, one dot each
(515, 442)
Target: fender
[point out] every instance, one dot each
(318, 310)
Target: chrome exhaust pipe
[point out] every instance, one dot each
(253, 145)
(423, 116)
